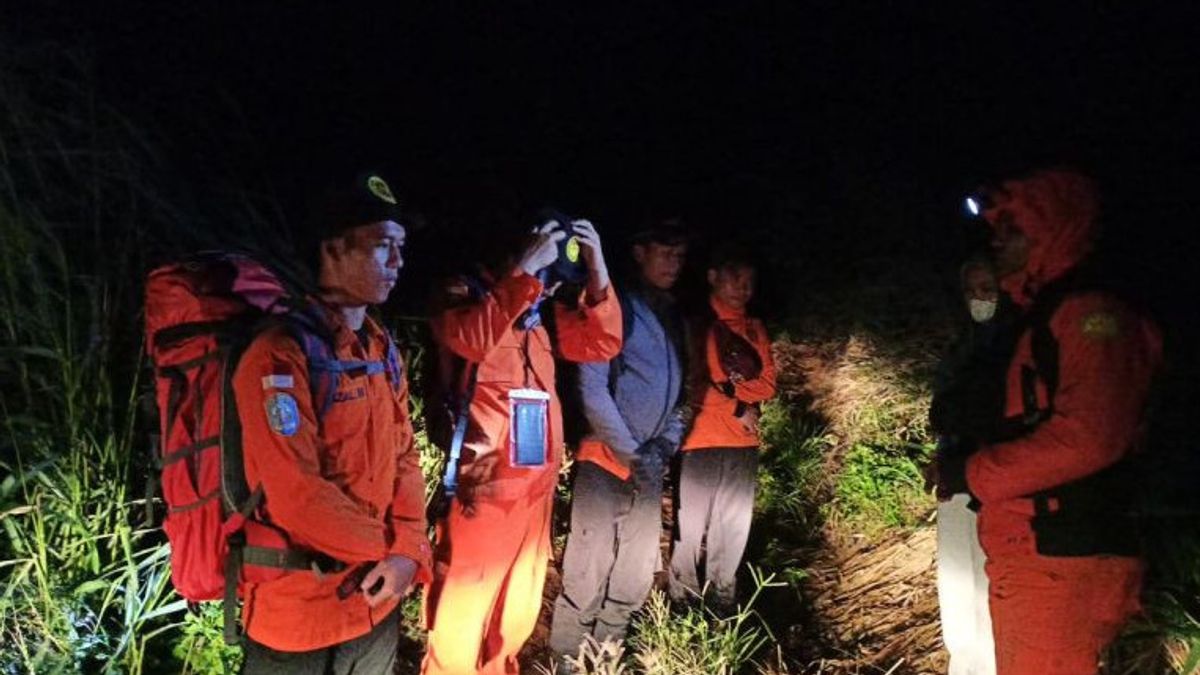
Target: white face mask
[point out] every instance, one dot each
(981, 310)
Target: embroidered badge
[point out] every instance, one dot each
(380, 189)
(1101, 326)
(278, 382)
(282, 414)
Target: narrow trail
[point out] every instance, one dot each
(866, 606)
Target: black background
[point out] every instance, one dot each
(851, 124)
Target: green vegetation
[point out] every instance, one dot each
(790, 475)
(84, 584)
(878, 490)
(201, 648)
(693, 640)
(696, 640)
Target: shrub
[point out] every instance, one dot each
(879, 490)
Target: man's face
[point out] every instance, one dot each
(660, 264)
(733, 286)
(979, 283)
(1010, 245)
(363, 264)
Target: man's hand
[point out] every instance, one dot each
(929, 473)
(544, 249)
(650, 461)
(390, 578)
(648, 470)
(951, 475)
(593, 255)
(749, 419)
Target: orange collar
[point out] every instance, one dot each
(343, 337)
(725, 312)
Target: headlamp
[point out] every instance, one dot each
(977, 202)
(569, 267)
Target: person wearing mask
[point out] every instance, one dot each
(733, 373)
(968, 402)
(493, 542)
(636, 418)
(1064, 568)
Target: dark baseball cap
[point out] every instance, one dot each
(366, 198)
(665, 231)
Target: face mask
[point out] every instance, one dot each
(982, 310)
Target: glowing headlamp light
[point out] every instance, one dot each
(976, 203)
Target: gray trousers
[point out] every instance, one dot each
(715, 507)
(372, 653)
(612, 553)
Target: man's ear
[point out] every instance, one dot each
(712, 278)
(334, 247)
(639, 253)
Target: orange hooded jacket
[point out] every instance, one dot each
(1108, 355)
(715, 424)
(348, 486)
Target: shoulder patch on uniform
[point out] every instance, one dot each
(282, 414)
(1101, 325)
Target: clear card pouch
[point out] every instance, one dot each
(528, 411)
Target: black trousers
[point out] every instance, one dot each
(715, 507)
(612, 553)
(371, 654)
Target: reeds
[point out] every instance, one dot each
(84, 577)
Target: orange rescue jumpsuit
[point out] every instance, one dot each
(1055, 615)
(349, 487)
(494, 545)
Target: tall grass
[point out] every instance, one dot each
(682, 640)
(697, 640)
(83, 588)
(84, 582)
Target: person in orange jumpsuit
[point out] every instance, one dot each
(493, 545)
(1054, 521)
(349, 486)
(719, 468)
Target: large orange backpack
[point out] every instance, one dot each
(201, 314)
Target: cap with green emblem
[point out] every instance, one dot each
(366, 199)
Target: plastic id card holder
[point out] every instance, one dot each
(528, 411)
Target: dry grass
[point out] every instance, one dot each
(881, 598)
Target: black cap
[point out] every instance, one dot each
(365, 199)
(666, 231)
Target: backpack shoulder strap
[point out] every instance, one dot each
(310, 331)
(461, 399)
(1042, 343)
(616, 365)
(316, 341)
(627, 315)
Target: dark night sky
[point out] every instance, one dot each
(620, 110)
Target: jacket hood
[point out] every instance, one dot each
(1057, 210)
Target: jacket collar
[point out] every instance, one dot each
(725, 312)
